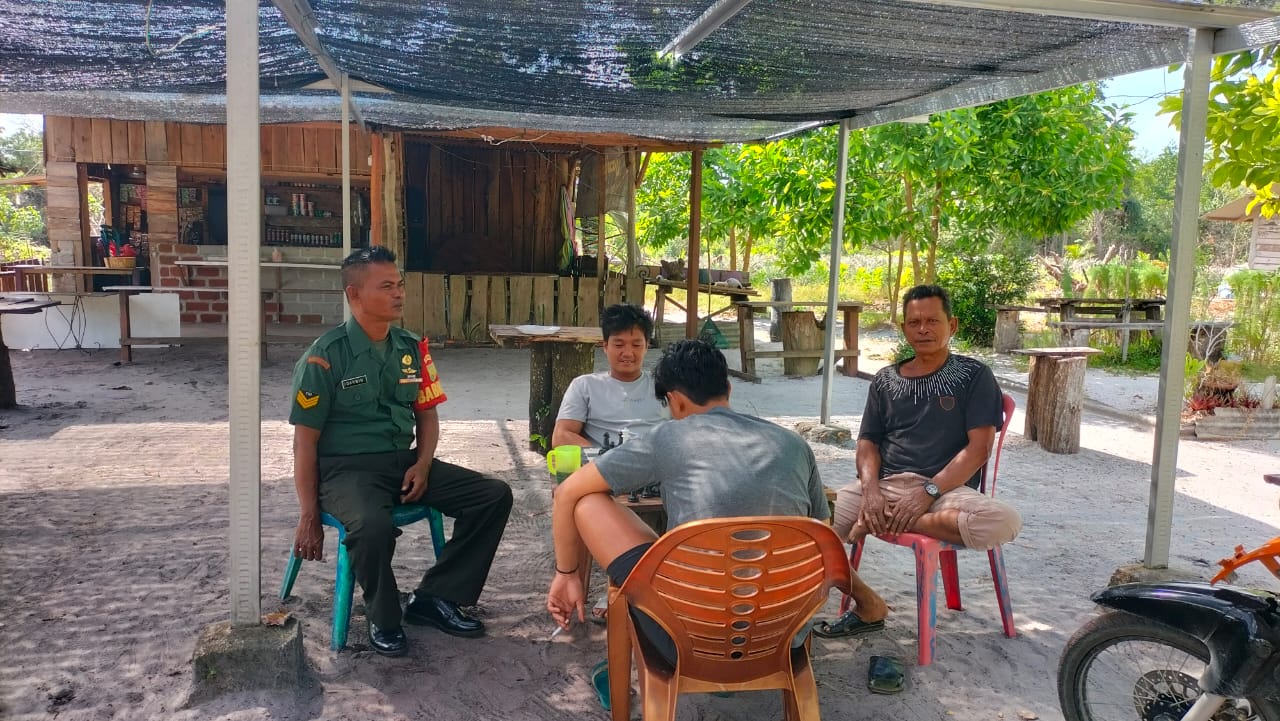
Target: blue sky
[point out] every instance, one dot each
(1140, 91)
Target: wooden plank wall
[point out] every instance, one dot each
(459, 307)
(309, 148)
(488, 210)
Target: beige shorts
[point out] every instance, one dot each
(984, 521)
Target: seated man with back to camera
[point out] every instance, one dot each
(603, 409)
(713, 462)
(926, 434)
(364, 412)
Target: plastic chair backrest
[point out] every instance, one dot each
(733, 592)
(1008, 406)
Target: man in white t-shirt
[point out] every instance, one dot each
(608, 408)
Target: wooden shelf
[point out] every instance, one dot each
(302, 221)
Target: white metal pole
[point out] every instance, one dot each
(346, 178)
(1177, 318)
(244, 342)
(833, 283)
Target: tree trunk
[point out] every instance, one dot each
(910, 197)
(746, 252)
(733, 248)
(1008, 331)
(800, 331)
(8, 391)
(931, 270)
(1055, 397)
(552, 366)
(781, 290)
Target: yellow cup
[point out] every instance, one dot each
(562, 461)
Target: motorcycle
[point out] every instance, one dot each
(1179, 651)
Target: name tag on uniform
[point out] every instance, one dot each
(353, 382)
(410, 380)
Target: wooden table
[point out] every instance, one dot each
(133, 274)
(555, 359)
(663, 291)
(14, 306)
(1116, 314)
(849, 311)
(1055, 396)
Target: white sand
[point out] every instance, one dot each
(113, 553)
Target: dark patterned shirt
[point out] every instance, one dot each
(920, 424)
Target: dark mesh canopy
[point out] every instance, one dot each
(773, 68)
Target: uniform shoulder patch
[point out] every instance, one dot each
(317, 360)
(306, 400)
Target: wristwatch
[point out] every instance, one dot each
(932, 489)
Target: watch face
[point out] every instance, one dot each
(932, 489)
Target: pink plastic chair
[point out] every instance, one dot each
(932, 554)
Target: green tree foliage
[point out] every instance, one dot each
(1026, 167)
(978, 281)
(22, 228)
(1243, 123)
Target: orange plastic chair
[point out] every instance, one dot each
(933, 554)
(732, 593)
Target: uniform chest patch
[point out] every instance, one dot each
(353, 382)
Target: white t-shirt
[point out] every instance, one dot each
(604, 404)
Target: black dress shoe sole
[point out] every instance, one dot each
(418, 620)
(389, 652)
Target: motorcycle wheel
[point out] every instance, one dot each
(1122, 667)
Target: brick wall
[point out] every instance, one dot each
(206, 302)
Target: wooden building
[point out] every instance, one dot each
(479, 219)
(1264, 238)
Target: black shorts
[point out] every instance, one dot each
(646, 628)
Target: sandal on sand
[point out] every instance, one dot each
(847, 626)
(600, 682)
(600, 611)
(885, 675)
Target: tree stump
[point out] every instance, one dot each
(801, 331)
(8, 392)
(781, 290)
(552, 367)
(1008, 331)
(1055, 399)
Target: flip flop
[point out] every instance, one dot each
(885, 675)
(600, 682)
(600, 611)
(847, 626)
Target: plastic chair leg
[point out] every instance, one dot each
(950, 578)
(926, 601)
(855, 559)
(1001, 579)
(343, 589)
(436, 522)
(290, 575)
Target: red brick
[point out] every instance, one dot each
(212, 318)
(217, 282)
(271, 307)
(218, 307)
(187, 317)
(210, 295)
(169, 282)
(196, 282)
(310, 319)
(197, 307)
(192, 249)
(288, 319)
(209, 272)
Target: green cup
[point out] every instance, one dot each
(562, 461)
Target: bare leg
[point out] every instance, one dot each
(608, 529)
(868, 604)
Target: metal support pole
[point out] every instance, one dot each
(833, 282)
(244, 321)
(1182, 268)
(346, 178)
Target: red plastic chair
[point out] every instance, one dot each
(932, 554)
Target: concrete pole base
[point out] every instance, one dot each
(231, 659)
(819, 433)
(1138, 573)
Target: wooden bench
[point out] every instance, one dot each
(849, 311)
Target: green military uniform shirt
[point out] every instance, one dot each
(361, 400)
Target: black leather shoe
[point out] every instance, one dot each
(443, 614)
(390, 642)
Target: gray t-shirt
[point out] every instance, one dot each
(920, 424)
(604, 404)
(720, 464)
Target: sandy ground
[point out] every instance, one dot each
(113, 494)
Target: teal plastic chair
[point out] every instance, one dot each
(345, 584)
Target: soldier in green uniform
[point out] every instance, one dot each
(362, 394)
